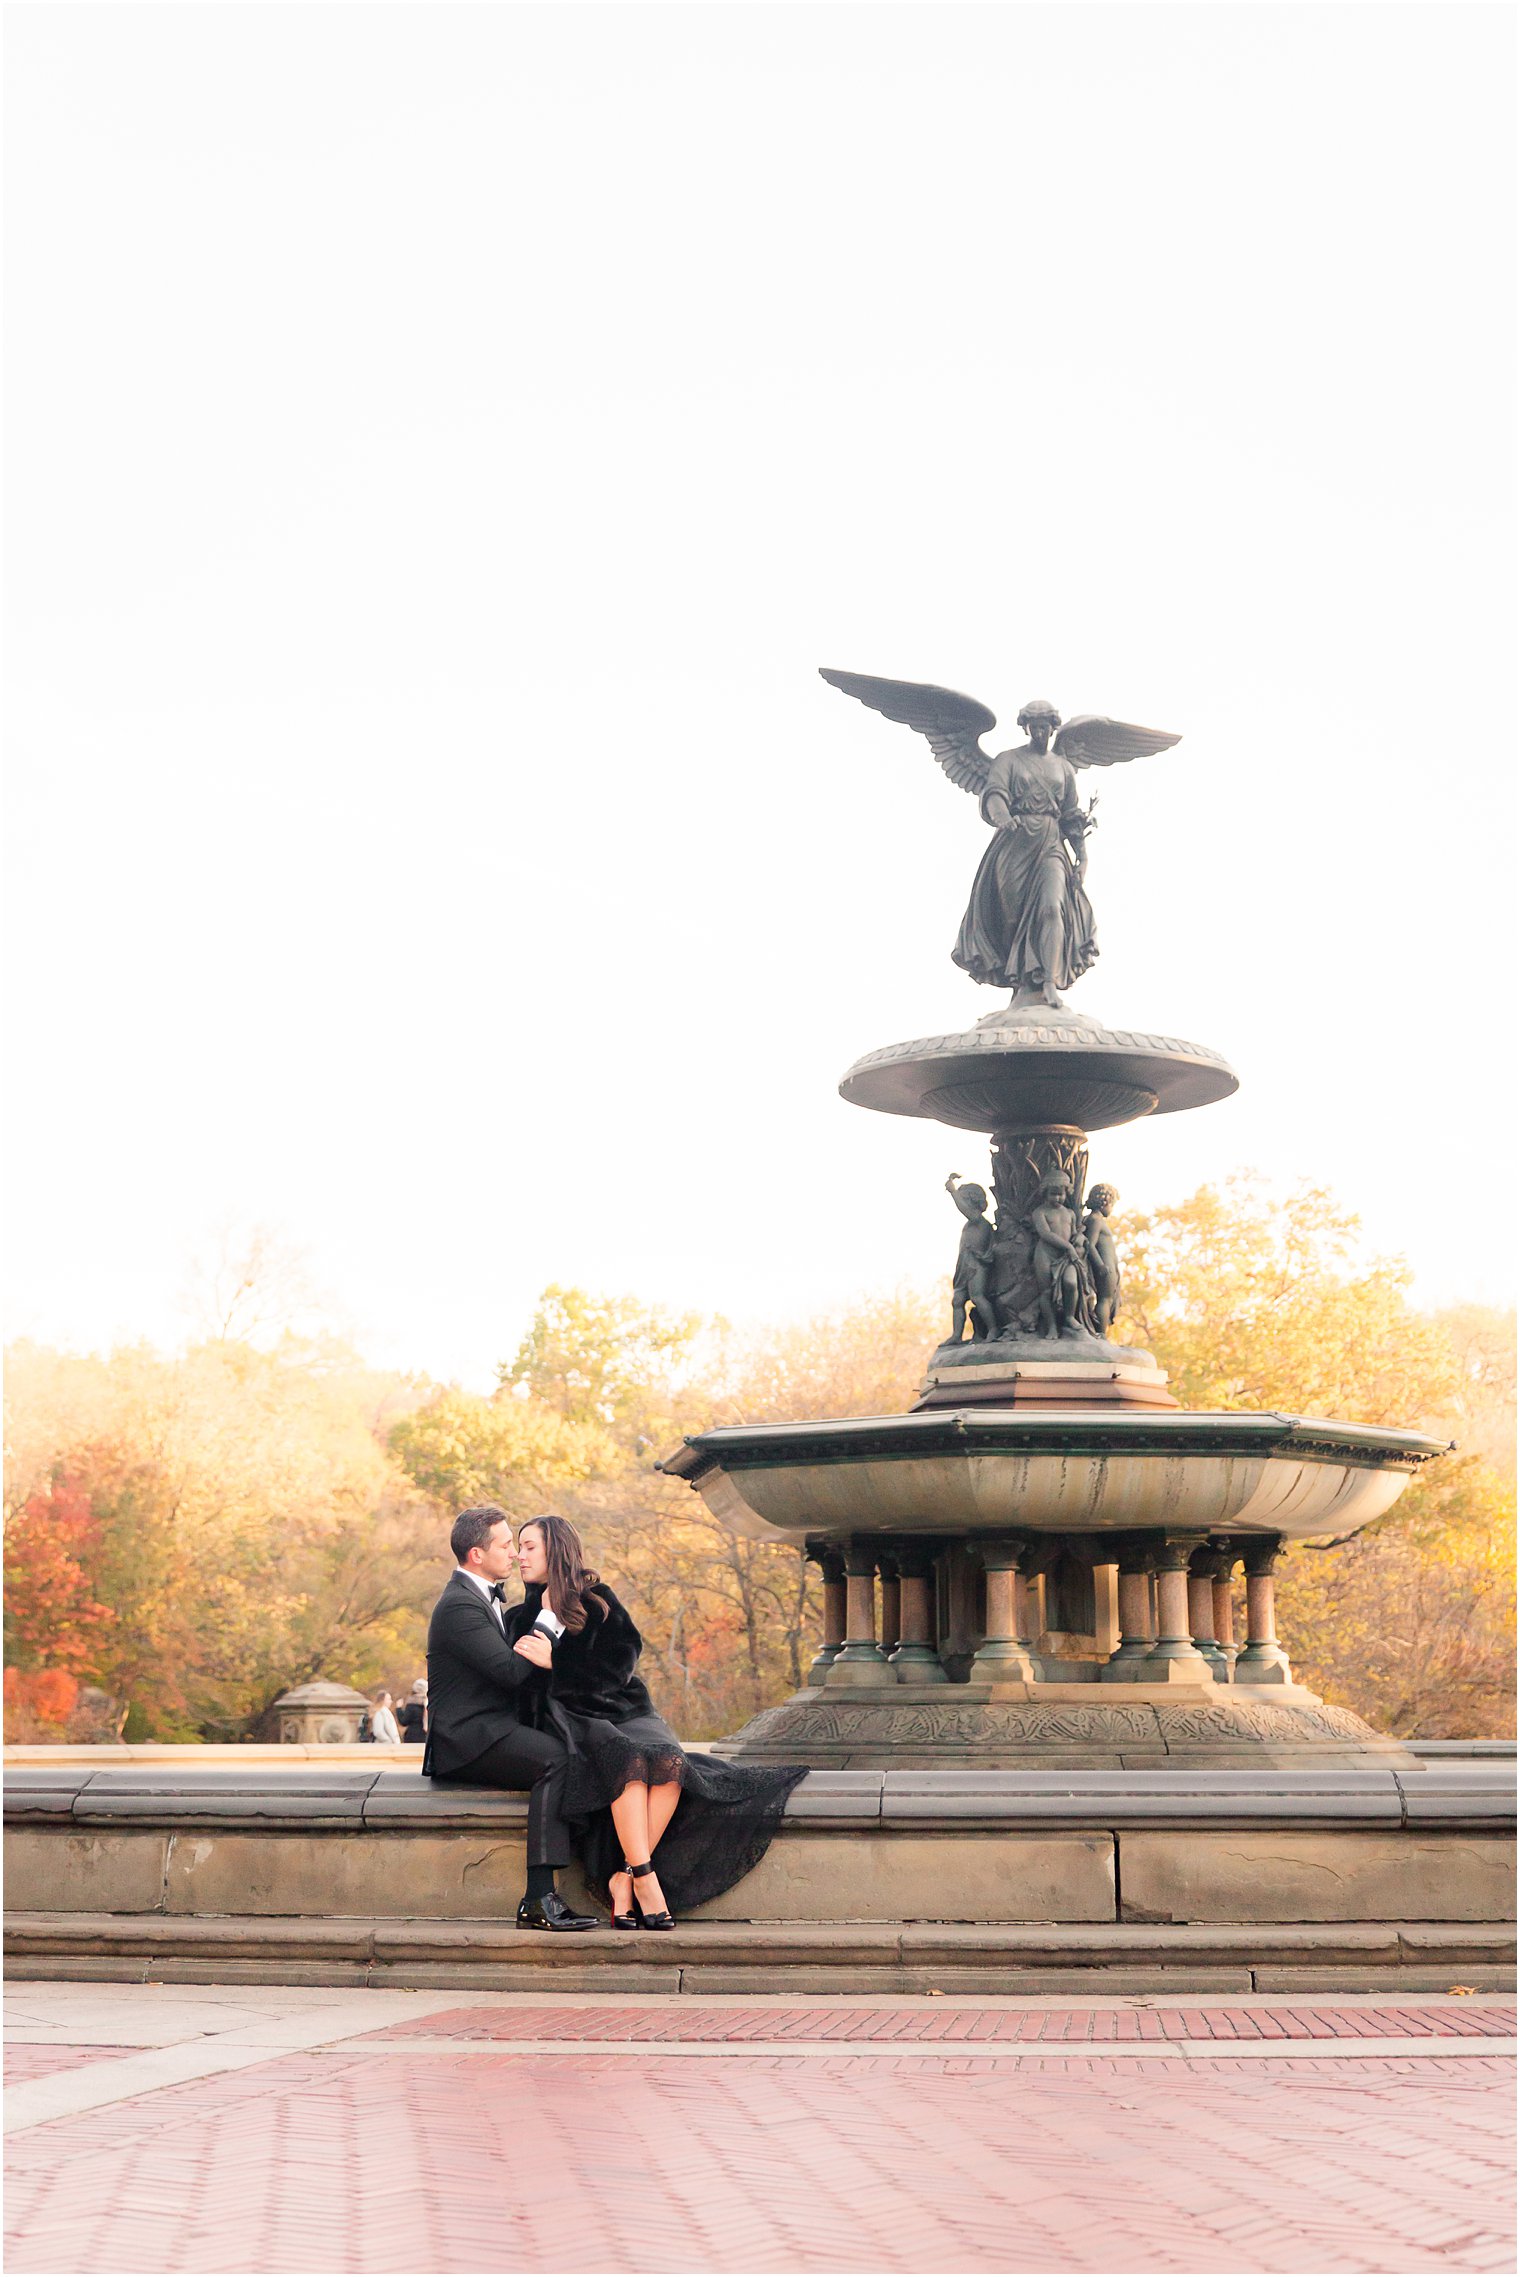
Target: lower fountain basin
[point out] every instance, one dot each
(958, 1472)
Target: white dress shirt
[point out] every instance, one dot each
(498, 1612)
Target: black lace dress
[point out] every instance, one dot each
(595, 1700)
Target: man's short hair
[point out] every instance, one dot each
(472, 1528)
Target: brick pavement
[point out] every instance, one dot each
(686, 2020)
(23, 2063)
(894, 2138)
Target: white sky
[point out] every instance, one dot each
(444, 442)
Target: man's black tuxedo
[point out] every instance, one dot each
(477, 1685)
(482, 1698)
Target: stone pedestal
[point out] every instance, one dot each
(1004, 1655)
(1136, 1628)
(1201, 1612)
(1224, 1608)
(1174, 1653)
(860, 1659)
(915, 1659)
(830, 1562)
(321, 1715)
(1263, 1660)
(1011, 1724)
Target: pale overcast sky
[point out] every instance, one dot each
(445, 441)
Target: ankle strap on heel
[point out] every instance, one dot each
(638, 1872)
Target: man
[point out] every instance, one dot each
(476, 1684)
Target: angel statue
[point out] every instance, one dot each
(1029, 924)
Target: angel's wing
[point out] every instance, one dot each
(1089, 740)
(951, 722)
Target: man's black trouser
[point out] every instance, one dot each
(535, 1761)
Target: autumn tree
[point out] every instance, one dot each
(1257, 1301)
(53, 1619)
(193, 1533)
(247, 1525)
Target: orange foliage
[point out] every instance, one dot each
(50, 1695)
(50, 1609)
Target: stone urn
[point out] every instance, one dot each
(321, 1715)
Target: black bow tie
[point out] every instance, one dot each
(498, 1590)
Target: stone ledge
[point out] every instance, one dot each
(1440, 1793)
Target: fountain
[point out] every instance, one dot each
(1035, 1566)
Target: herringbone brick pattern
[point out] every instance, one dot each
(900, 2159)
(682, 2020)
(24, 2063)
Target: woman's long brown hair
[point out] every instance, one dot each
(569, 1575)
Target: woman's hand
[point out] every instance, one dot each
(535, 1649)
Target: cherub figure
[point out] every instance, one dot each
(1057, 1257)
(1102, 1257)
(972, 1291)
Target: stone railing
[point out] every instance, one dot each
(1234, 1878)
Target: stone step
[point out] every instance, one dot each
(1111, 1958)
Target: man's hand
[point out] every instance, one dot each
(536, 1649)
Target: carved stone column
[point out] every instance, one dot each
(1174, 1656)
(915, 1659)
(1004, 1656)
(1201, 1612)
(891, 1599)
(1021, 1161)
(1263, 1661)
(829, 1559)
(1224, 1604)
(1136, 1631)
(860, 1659)
(958, 1614)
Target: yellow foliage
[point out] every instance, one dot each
(268, 1516)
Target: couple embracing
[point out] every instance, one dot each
(544, 1697)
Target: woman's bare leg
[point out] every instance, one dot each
(634, 1816)
(630, 1815)
(662, 1809)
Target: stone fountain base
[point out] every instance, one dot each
(975, 1727)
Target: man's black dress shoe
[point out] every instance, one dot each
(551, 1912)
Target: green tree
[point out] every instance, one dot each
(601, 1361)
(459, 1448)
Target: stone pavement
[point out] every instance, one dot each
(163, 2128)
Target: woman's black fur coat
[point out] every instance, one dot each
(595, 1673)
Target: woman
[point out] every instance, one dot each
(412, 1715)
(383, 1728)
(630, 1790)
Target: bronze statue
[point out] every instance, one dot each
(1102, 1256)
(972, 1292)
(1029, 923)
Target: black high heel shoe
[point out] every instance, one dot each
(666, 1920)
(627, 1920)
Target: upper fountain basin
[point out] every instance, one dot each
(955, 1471)
(1036, 1066)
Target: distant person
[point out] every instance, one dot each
(481, 1706)
(412, 1715)
(383, 1728)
